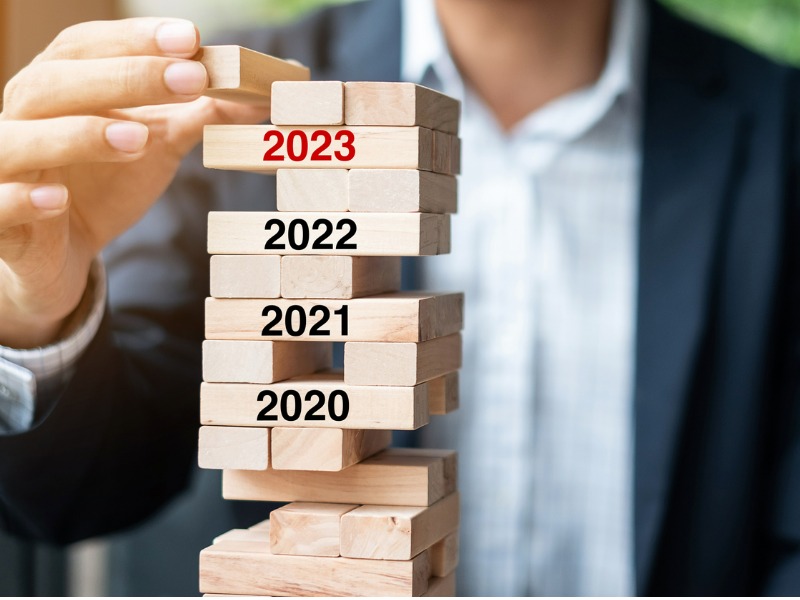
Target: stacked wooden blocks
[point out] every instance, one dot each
(365, 176)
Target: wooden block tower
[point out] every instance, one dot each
(365, 176)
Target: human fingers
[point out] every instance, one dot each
(26, 202)
(64, 87)
(142, 36)
(48, 143)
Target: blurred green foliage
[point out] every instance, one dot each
(771, 27)
(768, 26)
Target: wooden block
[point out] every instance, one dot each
(312, 190)
(350, 234)
(399, 104)
(387, 363)
(444, 555)
(233, 448)
(401, 191)
(307, 528)
(443, 394)
(265, 148)
(342, 277)
(397, 532)
(242, 75)
(245, 276)
(455, 155)
(397, 477)
(245, 535)
(307, 103)
(324, 449)
(248, 568)
(442, 587)
(441, 152)
(238, 404)
(394, 317)
(263, 361)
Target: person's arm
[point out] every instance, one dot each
(120, 440)
(31, 380)
(782, 518)
(117, 442)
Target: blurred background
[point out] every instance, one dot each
(152, 560)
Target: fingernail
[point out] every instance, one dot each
(127, 137)
(185, 78)
(49, 197)
(176, 37)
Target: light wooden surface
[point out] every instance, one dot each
(263, 361)
(443, 394)
(446, 153)
(324, 449)
(248, 568)
(444, 555)
(237, 404)
(397, 532)
(397, 477)
(245, 535)
(394, 317)
(399, 104)
(339, 277)
(233, 448)
(243, 75)
(312, 190)
(307, 528)
(242, 148)
(387, 363)
(307, 103)
(401, 191)
(245, 276)
(376, 234)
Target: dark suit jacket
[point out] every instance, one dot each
(717, 395)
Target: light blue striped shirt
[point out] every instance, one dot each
(544, 246)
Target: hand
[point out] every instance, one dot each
(91, 134)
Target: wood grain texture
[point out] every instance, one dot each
(307, 528)
(339, 277)
(237, 404)
(324, 449)
(243, 75)
(245, 276)
(376, 234)
(262, 361)
(397, 477)
(248, 568)
(401, 191)
(242, 148)
(307, 103)
(443, 394)
(233, 448)
(444, 555)
(387, 363)
(446, 153)
(312, 190)
(245, 535)
(399, 104)
(397, 532)
(394, 317)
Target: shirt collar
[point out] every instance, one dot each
(425, 53)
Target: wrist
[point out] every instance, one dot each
(34, 318)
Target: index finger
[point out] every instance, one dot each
(141, 36)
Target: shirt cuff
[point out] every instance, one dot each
(28, 376)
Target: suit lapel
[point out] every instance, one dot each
(690, 132)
